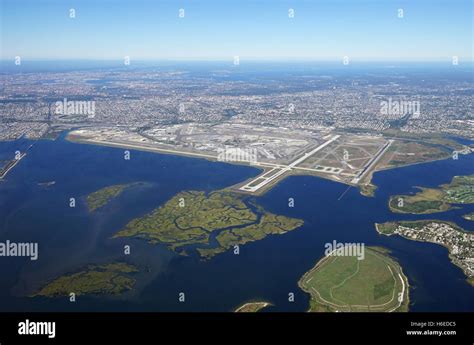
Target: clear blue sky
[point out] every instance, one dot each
(251, 29)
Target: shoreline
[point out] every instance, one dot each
(259, 305)
(469, 279)
(263, 167)
(15, 162)
(377, 249)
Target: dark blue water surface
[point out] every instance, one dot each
(269, 269)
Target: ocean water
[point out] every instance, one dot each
(269, 269)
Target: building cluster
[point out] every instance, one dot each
(142, 98)
(459, 243)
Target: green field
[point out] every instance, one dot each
(103, 196)
(346, 284)
(109, 279)
(192, 217)
(432, 200)
(460, 190)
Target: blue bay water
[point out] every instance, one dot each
(269, 269)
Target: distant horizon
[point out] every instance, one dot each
(253, 30)
(242, 60)
(245, 66)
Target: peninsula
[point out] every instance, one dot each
(460, 243)
(432, 200)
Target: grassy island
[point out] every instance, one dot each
(346, 284)
(214, 222)
(104, 195)
(252, 307)
(432, 200)
(109, 279)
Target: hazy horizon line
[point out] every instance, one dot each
(244, 59)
